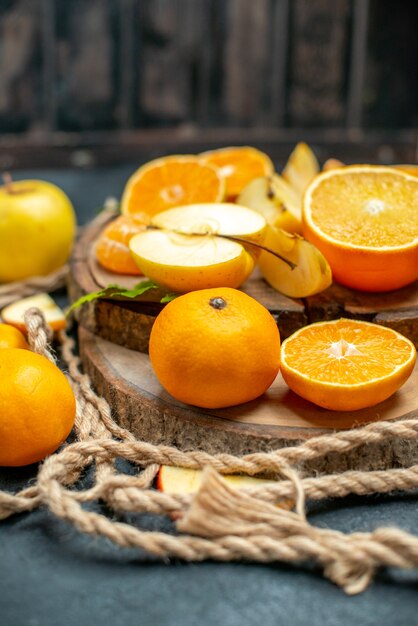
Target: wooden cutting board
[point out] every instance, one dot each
(129, 323)
(276, 419)
(113, 348)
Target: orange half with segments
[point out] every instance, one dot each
(345, 365)
(364, 219)
(171, 181)
(238, 166)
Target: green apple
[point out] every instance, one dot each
(37, 229)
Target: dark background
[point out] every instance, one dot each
(92, 82)
(94, 88)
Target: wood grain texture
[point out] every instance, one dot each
(129, 323)
(276, 419)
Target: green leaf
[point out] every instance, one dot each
(116, 291)
(169, 297)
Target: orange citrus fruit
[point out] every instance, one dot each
(37, 407)
(112, 247)
(409, 169)
(215, 348)
(11, 337)
(238, 166)
(346, 365)
(364, 219)
(169, 182)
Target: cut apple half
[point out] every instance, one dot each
(222, 218)
(311, 273)
(188, 248)
(275, 199)
(14, 314)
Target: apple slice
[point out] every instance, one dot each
(223, 218)
(311, 273)
(184, 253)
(301, 167)
(184, 481)
(14, 313)
(275, 199)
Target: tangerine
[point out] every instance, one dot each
(112, 247)
(37, 407)
(215, 348)
(11, 337)
(345, 365)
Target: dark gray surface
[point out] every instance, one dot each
(51, 575)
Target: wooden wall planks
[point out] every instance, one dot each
(111, 65)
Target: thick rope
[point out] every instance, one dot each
(218, 522)
(10, 292)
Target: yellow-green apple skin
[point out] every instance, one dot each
(37, 229)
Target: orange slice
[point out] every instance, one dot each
(112, 249)
(238, 166)
(171, 181)
(364, 219)
(345, 365)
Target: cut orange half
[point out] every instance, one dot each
(364, 219)
(171, 181)
(345, 365)
(238, 166)
(409, 169)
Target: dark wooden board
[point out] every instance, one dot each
(276, 419)
(129, 323)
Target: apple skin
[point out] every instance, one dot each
(37, 229)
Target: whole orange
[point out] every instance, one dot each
(215, 348)
(11, 337)
(37, 407)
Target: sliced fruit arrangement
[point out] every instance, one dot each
(345, 365)
(311, 274)
(171, 181)
(238, 166)
(364, 219)
(14, 313)
(186, 249)
(112, 249)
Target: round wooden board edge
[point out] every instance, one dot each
(189, 429)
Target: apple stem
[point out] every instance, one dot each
(260, 247)
(8, 182)
(240, 240)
